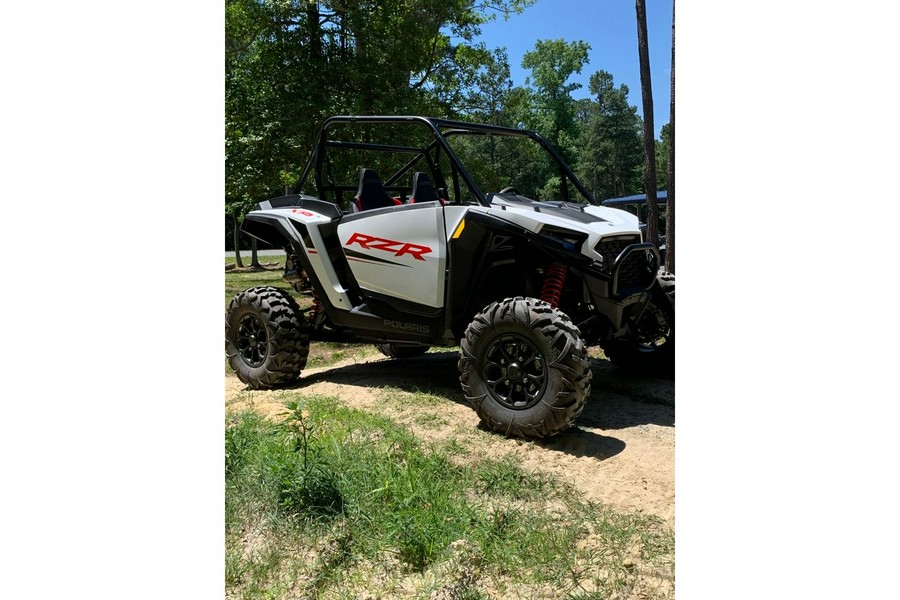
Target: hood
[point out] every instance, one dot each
(533, 214)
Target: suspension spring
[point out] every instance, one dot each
(553, 283)
(315, 310)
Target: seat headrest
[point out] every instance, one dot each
(422, 190)
(370, 193)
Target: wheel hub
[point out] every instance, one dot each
(515, 371)
(252, 340)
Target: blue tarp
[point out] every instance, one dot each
(661, 195)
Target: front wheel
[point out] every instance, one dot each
(652, 346)
(265, 337)
(524, 368)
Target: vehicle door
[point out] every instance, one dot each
(398, 251)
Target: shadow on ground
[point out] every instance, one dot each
(581, 442)
(432, 373)
(618, 399)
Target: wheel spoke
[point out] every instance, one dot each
(252, 340)
(505, 352)
(514, 371)
(493, 386)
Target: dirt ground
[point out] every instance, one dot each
(621, 451)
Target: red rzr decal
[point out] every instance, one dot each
(370, 242)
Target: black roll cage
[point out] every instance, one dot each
(316, 164)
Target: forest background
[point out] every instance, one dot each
(290, 65)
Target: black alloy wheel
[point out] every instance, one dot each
(515, 371)
(266, 337)
(252, 340)
(524, 368)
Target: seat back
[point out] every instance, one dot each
(422, 190)
(371, 193)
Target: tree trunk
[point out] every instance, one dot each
(649, 137)
(254, 257)
(313, 31)
(316, 86)
(670, 202)
(237, 239)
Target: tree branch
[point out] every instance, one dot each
(434, 63)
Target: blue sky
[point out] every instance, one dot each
(610, 27)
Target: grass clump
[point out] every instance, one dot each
(334, 502)
(306, 483)
(505, 477)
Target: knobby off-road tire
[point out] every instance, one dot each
(653, 348)
(266, 340)
(401, 351)
(524, 368)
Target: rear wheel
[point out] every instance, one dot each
(524, 368)
(265, 337)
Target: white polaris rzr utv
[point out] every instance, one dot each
(400, 247)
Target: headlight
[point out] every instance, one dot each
(568, 239)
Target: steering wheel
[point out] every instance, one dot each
(509, 190)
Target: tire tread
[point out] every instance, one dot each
(288, 337)
(571, 359)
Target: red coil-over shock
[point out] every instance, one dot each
(314, 310)
(553, 283)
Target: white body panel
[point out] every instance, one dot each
(399, 251)
(318, 255)
(614, 222)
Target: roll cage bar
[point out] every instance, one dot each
(318, 168)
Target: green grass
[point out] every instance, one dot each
(333, 502)
(400, 398)
(245, 258)
(325, 354)
(238, 281)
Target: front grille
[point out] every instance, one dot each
(611, 247)
(636, 272)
